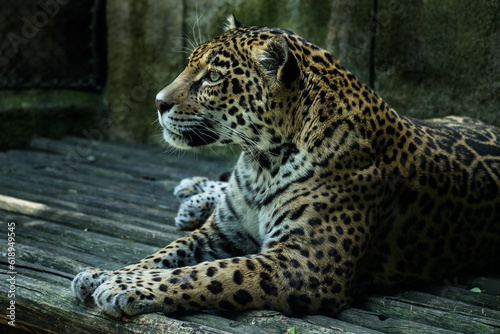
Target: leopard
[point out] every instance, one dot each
(333, 191)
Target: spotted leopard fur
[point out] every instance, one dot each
(333, 189)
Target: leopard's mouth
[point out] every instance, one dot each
(174, 138)
(200, 134)
(164, 125)
(171, 135)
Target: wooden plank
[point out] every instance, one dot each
(468, 297)
(159, 220)
(279, 323)
(388, 324)
(158, 216)
(71, 238)
(395, 306)
(339, 325)
(131, 154)
(225, 324)
(449, 304)
(45, 243)
(84, 222)
(40, 183)
(93, 176)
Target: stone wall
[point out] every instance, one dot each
(53, 113)
(426, 58)
(442, 58)
(144, 54)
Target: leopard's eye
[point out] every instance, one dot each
(214, 76)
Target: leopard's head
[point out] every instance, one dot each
(239, 88)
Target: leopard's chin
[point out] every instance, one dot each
(196, 136)
(175, 140)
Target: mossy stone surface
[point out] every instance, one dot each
(53, 114)
(144, 55)
(442, 58)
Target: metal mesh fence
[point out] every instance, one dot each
(52, 44)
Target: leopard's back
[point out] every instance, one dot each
(441, 214)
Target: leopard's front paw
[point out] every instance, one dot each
(85, 283)
(122, 296)
(195, 210)
(198, 196)
(190, 186)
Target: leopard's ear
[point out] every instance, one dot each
(232, 23)
(278, 62)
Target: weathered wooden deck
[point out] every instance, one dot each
(75, 204)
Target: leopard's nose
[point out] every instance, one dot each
(163, 106)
